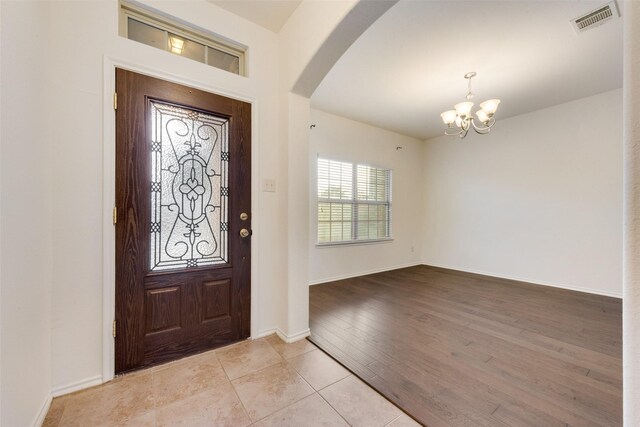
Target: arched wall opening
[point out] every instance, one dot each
(296, 103)
(314, 38)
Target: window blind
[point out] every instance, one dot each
(354, 202)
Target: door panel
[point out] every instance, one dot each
(182, 181)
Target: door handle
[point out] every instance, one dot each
(244, 233)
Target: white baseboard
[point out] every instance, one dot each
(44, 409)
(284, 337)
(362, 273)
(76, 386)
(293, 337)
(526, 280)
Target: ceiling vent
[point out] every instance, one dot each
(596, 17)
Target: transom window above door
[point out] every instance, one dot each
(143, 25)
(354, 203)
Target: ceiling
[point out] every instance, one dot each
(408, 67)
(270, 14)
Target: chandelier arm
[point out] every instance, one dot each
(448, 133)
(484, 128)
(479, 128)
(482, 131)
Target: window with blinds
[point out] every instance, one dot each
(354, 202)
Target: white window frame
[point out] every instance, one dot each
(354, 202)
(163, 23)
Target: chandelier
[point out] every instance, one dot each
(462, 118)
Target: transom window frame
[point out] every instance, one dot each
(129, 10)
(354, 202)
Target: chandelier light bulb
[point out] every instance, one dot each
(482, 116)
(490, 106)
(448, 117)
(463, 109)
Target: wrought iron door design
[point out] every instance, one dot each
(189, 188)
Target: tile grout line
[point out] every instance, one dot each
(282, 359)
(393, 420)
(254, 372)
(331, 406)
(289, 405)
(304, 397)
(207, 389)
(285, 366)
(317, 391)
(244, 408)
(366, 382)
(233, 387)
(329, 357)
(338, 380)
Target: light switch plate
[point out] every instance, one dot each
(269, 185)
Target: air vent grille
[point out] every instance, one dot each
(595, 18)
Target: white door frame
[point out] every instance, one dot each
(109, 193)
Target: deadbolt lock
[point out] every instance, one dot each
(244, 216)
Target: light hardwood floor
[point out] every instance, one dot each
(459, 349)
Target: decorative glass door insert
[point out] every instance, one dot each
(189, 188)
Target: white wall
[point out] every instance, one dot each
(1, 38)
(631, 298)
(298, 111)
(25, 214)
(539, 199)
(338, 138)
(312, 40)
(62, 61)
(72, 201)
(82, 34)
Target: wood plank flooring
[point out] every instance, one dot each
(459, 349)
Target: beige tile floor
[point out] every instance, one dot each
(263, 382)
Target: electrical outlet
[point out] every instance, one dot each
(269, 185)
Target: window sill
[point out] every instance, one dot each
(353, 243)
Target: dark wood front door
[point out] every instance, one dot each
(183, 194)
